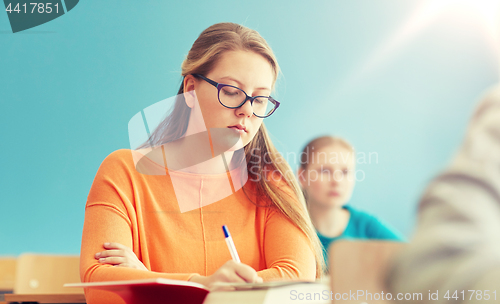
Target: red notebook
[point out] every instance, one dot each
(152, 291)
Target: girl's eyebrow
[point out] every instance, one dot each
(241, 84)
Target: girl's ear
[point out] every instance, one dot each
(189, 95)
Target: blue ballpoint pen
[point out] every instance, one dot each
(230, 244)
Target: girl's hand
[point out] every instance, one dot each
(119, 255)
(231, 272)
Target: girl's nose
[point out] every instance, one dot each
(245, 110)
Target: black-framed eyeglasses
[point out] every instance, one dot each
(233, 97)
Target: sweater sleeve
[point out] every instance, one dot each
(455, 246)
(288, 251)
(109, 217)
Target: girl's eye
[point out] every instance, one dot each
(263, 101)
(230, 91)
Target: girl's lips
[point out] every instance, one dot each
(239, 126)
(239, 129)
(333, 193)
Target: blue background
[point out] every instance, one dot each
(68, 89)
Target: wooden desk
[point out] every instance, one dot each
(280, 295)
(8, 267)
(45, 298)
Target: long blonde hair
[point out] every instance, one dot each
(202, 57)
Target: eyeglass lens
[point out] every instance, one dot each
(232, 97)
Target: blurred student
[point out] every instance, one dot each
(327, 177)
(454, 256)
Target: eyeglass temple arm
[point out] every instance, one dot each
(215, 84)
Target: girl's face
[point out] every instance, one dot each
(329, 176)
(246, 70)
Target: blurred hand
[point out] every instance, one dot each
(119, 255)
(230, 272)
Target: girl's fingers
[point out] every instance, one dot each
(110, 253)
(114, 246)
(237, 273)
(247, 273)
(119, 255)
(112, 260)
(235, 278)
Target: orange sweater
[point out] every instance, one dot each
(141, 212)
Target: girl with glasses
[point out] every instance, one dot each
(144, 220)
(327, 176)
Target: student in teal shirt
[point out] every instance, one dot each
(327, 177)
